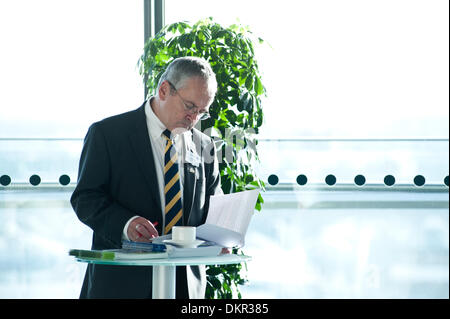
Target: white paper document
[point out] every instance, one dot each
(228, 218)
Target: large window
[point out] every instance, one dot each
(354, 147)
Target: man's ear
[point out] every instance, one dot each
(164, 90)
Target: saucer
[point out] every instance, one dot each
(184, 244)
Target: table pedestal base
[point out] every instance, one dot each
(163, 286)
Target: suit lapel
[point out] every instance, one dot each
(141, 144)
(191, 175)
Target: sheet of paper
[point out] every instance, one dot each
(232, 211)
(220, 236)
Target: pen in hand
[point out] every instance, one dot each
(154, 225)
(142, 229)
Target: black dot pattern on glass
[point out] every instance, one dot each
(389, 180)
(273, 179)
(330, 180)
(302, 179)
(5, 180)
(419, 180)
(64, 180)
(360, 180)
(35, 180)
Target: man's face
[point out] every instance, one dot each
(175, 115)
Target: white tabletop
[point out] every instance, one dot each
(182, 261)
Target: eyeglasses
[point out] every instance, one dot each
(191, 109)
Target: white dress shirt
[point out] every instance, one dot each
(158, 143)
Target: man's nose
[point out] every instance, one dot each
(192, 117)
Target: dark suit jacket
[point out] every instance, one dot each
(116, 181)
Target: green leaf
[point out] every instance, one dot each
(249, 179)
(215, 283)
(248, 104)
(249, 83)
(172, 28)
(258, 86)
(182, 27)
(214, 271)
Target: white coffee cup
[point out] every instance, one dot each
(185, 234)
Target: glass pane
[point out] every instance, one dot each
(67, 64)
(346, 159)
(64, 65)
(349, 244)
(354, 69)
(37, 230)
(49, 159)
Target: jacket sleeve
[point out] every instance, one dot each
(91, 199)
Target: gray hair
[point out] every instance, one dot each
(181, 69)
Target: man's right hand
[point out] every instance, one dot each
(141, 230)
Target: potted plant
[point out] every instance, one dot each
(236, 113)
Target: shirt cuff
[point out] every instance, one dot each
(124, 234)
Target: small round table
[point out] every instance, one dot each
(164, 269)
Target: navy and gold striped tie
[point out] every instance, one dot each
(174, 209)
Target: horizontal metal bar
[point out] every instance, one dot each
(354, 140)
(369, 204)
(433, 188)
(273, 204)
(33, 139)
(318, 139)
(50, 187)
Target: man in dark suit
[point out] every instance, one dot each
(120, 192)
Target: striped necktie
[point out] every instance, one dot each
(172, 191)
